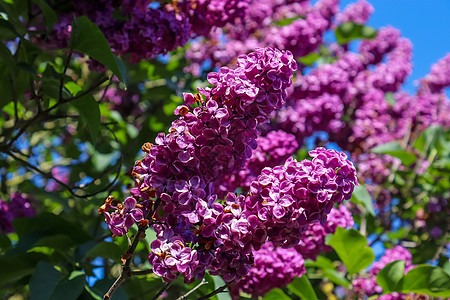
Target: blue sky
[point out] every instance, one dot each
(425, 23)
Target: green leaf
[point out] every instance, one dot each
(288, 21)
(43, 282)
(90, 112)
(352, 249)
(309, 59)
(329, 271)
(70, 288)
(390, 99)
(107, 250)
(49, 14)
(389, 277)
(87, 38)
(426, 279)
(5, 89)
(349, 31)
(7, 58)
(396, 150)
(276, 294)
(361, 196)
(48, 224)
(302, 288)
(16, 267)
(429, 139)
(5, 242)
(60, 242)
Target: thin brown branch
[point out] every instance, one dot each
(141, 272)
(63, 75)
(42, 115)
(217, 291)
(164, 288)
(128, 255)
(203, 282)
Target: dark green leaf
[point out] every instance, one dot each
(302, 288)
(349, 31)
(5, 242)
(16, 267)
(276, 294)
(426, 279)
(360, 195)
(70, 288)
(7, 58)
(329, 271)
(47, 224)
(90, 112)
(429, 139)
(88, 39)
(49, 14)
(60, 242)
(390, 275)
(352, 249)
(9, 26)
(396, 150)
(43, 282)
(5, 89)
(107, 250)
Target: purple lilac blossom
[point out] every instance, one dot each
(301, 37)
(273, 149)
(19, 206)
(358, 12)
(372, 51)
(439, 76)
(289, 197)
(206, 14)
(141, 32)
(309, 115)
(274, 267)
(211, 138)
(61, 174)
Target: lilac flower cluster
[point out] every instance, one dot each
(358, 12)
(170, 256)
(368, 285)
(19, 206)
(206, 14)
(123, 101)
(373, 51)
(301, 37)
(289, 197)
(124, 215)
(439, 77)
(61, 174)
(273, 149)
(309, 115)
(274, 267)
(312, 242)
(214, 136)
(139, 32)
